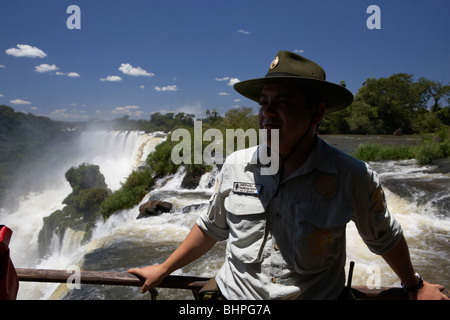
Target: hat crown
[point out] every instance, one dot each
(290, 64)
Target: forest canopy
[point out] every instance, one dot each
(383, 105)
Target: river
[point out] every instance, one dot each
(417, 196)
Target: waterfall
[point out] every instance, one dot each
(116, 153)
(417, 196)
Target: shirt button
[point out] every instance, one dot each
(276, 247)
(274, 280)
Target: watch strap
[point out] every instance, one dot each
(415, 287)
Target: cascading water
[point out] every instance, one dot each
(419, 199)
(417, 196)
(116, 153)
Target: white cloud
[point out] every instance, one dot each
(243, 32)
(25, 50)
(19, 101)
(223, 94)
(233, 81)
(128, 69)
(222, 79)
(70, 74)
(167, 88)
(112, 78)
(2, 66)
(299, 51)
(128, 110)
(45, 68)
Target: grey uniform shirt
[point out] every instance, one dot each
(290, 243)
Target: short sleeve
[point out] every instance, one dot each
(214, 220)
(376, 225)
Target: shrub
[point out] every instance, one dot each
(130, 194)
(367, 152)
(160, 160)
(427, 152)
(433, 147)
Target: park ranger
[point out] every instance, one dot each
(285, 233)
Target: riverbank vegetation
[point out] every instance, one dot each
(433, 147)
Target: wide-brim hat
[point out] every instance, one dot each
(306, 73)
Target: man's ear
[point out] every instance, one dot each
(318, 114)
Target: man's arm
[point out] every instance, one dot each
(196, 244)
(399, 260)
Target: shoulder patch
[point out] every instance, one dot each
(378, 200)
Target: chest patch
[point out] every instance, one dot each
(325, 186)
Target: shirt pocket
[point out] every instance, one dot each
(246, 217)
(319, 235)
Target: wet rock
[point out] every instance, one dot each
(153, 208)
(192, 179)
(188, 209)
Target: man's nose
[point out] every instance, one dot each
(268, 110)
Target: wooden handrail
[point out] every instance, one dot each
(110, 278)
(177, 282)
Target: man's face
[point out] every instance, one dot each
(284, 107)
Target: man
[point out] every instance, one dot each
(286, 232)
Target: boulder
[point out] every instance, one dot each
(153, 208)
(398, 132)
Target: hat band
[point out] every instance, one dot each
(286, 74)
(281, 74)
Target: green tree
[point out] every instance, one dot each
(434, 91)
(396, 100)
(85, 176)
(240, 118)
(212, 117)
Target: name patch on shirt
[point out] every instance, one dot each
(247, 188)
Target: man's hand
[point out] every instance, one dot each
(151, 275)
(193, 247)
(429, 292)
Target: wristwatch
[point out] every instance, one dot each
(415, 287)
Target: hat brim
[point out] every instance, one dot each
(336, 97)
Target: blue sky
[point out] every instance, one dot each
(182, 56)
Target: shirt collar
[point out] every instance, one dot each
(320, 158)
